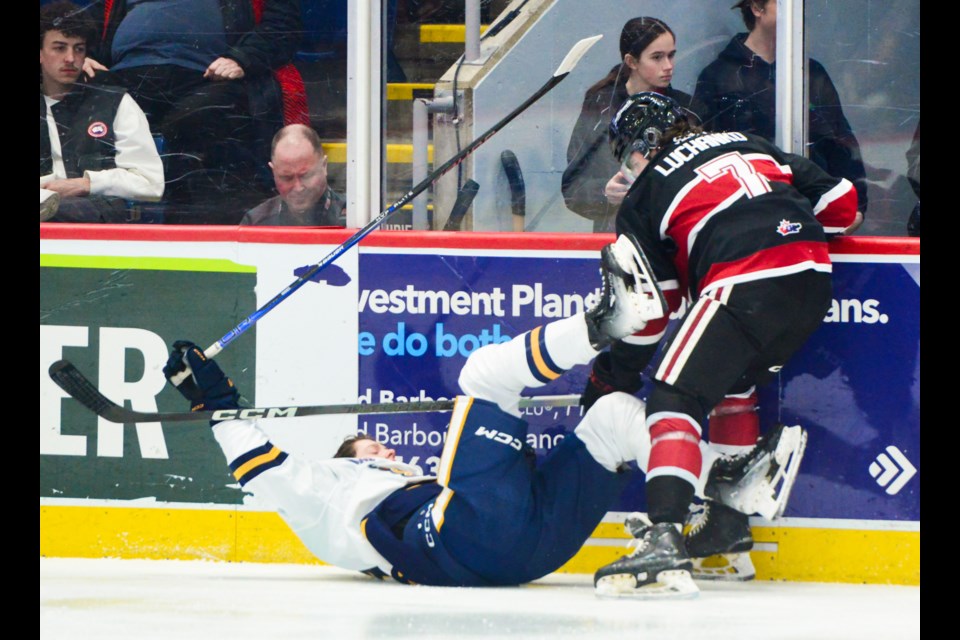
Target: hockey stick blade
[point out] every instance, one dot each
(518, 190)
(566, 66)
(79, 387)
(459, 210)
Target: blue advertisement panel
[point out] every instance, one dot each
(855, 385)
(418, 324)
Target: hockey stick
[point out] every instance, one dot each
(71, 380)
(566, 66)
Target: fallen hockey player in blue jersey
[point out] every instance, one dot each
(491, 516)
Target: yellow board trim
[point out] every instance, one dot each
(227, 535)
(439, 33)
(839, 555)
(801, 554)
(235, 535)
(396, 153)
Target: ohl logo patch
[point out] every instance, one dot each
(785, 228)
(97, 130)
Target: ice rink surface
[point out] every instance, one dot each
(186, 600)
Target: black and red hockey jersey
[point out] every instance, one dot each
(720, 208)
(715, 209)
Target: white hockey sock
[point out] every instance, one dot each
(568, 343)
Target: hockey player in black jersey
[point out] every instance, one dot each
(491, 515)
(736, 232)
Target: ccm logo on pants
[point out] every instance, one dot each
(502, 438)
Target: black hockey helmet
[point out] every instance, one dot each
(640, 123)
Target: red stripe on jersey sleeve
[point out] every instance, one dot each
(840, 210)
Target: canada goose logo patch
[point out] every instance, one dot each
(97, 130)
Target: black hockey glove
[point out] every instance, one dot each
(603, 381)
(207, 387)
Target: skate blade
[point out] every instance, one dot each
(675, 584)
(789, 455)
(729, 567)
(765, 490)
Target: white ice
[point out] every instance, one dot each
(186, 600)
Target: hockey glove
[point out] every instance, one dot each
(207, 387)
(603, 381)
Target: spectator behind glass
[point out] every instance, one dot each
(299, 167)
(96, 149)
(738, 91)
(913, 177)
(593, 185)
(204, 73)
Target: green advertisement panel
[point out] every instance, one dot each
(114, 318)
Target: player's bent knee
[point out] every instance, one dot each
(487, 375)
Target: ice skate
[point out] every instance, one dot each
(630, 296)
(759, 481)
(719, 541)
(658, 567)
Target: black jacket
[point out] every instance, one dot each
(590, 163)
(330, 211)
(739, 94)
(85, 125)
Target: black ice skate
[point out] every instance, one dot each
(658, 567)
(719, 541)
(629, 295)
(759, 481)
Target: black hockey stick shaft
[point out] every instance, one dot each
(464, 199)
(79, 387)
(569, 62)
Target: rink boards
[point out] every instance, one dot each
(395, 319)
